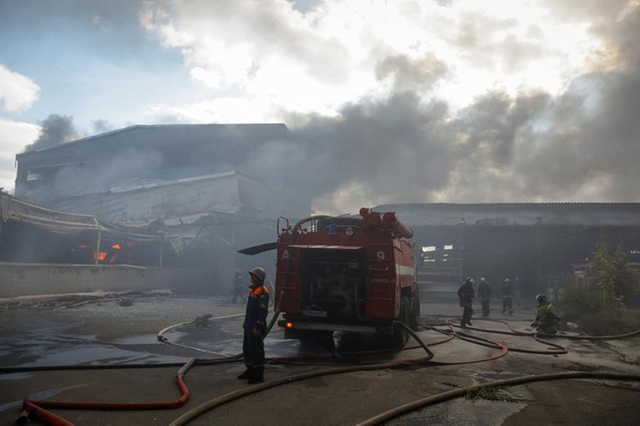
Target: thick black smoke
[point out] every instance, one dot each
(375, 151)
(583, 145)
(56, 129)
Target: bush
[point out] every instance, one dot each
(585, 306)
(602, 306)
(578, 301)
(610, 322)
(618, 283)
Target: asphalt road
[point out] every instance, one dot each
(108, 333)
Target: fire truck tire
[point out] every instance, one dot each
(415, 311)
(400, 336)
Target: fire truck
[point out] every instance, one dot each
(349, 274)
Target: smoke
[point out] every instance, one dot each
(102, 126)
(532, 147)
(56, 129)
(374, 151)
(410, 146)
(582, 145)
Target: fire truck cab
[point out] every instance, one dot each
(347, 274)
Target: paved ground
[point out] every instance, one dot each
(108, 333)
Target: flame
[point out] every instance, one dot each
(116, 246)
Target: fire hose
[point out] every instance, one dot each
(531, 333)
(39, 412)
(445, 396)
(163, 339)
(37, 409)
(232, 396)
(224, 399)
(560, 350)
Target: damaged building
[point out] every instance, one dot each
(188, 197)
(43, 251)
(196, 193)
(536, 245)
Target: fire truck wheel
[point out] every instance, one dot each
(400, 336)
(415, 311)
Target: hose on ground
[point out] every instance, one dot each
(445, 396)
(421, 342)
(530, 333)
(232, 396)
(37, 409)
(494, 344)
(612, 337)
(274, 318)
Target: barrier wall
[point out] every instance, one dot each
(25, 279)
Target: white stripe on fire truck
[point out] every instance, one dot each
(405, 270)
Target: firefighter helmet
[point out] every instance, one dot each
(259, 273)
(541, 298)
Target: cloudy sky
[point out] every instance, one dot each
(390, 101)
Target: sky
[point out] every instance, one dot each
(388, 101)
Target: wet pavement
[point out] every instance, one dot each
(107, 333)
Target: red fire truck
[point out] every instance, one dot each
(351, 274)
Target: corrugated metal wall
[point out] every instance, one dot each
(22, 279)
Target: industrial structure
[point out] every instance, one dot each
(536, 245)
(197, 193)
(191, 196)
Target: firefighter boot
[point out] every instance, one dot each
(257, 376)
(248, 373)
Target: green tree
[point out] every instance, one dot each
(617, 282)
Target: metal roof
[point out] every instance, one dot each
(184, 129)
(502, 214)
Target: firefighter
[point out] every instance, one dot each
(547, 320)
(255, 327)
(485, 293)
(466, 294)
(237, 287)
(507, 296)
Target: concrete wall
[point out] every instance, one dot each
(24, 279)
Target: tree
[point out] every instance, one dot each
(617, 282)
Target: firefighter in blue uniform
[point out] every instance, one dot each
(255, 327)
